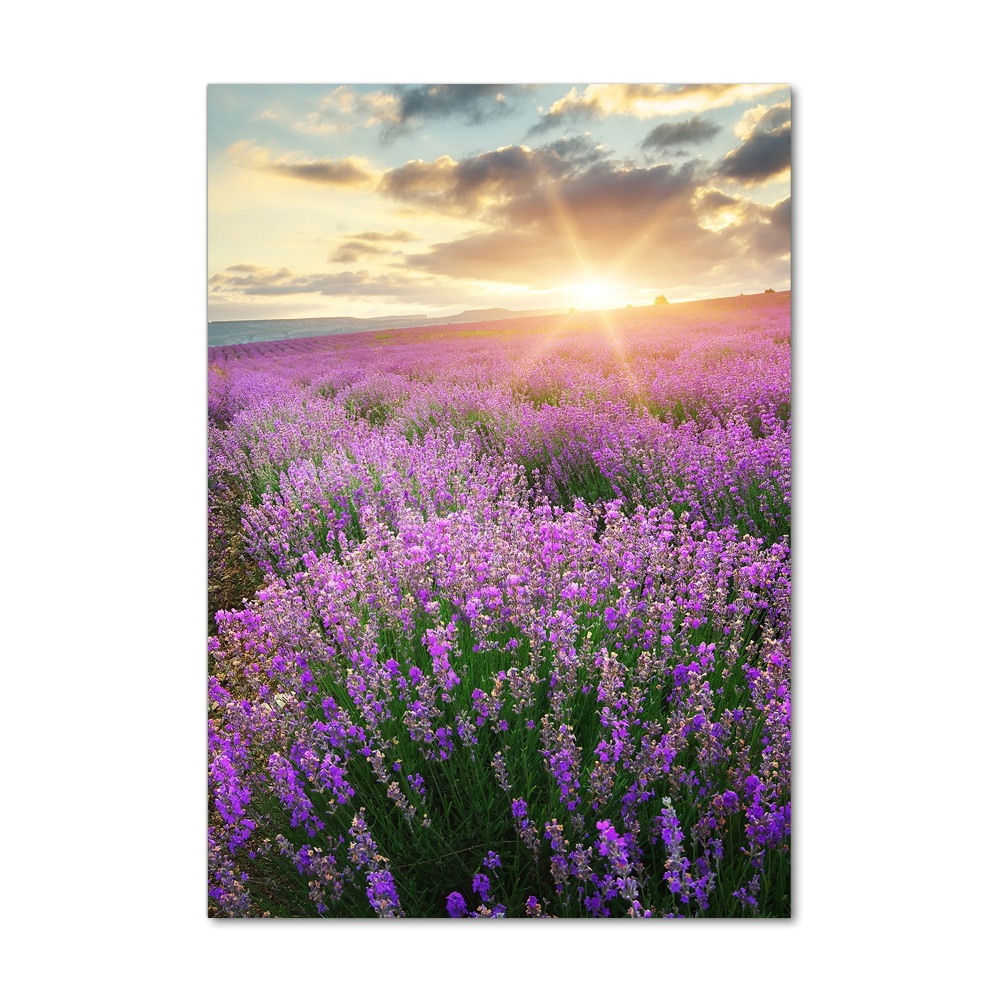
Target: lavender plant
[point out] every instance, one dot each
(501, 620)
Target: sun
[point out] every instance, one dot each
(592, 294)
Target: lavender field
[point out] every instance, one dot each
(499, 618)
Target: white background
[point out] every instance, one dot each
(895, 549)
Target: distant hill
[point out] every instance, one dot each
(249, 331)
(474, 315)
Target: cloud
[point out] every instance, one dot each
(368, 244)
(374, 236)
(410, 288)
(575, 151)
(350, 172)
(763, 117)
(247, 276)
(657, 226)
(352, 250)
(343, 256)
(443, 185)
(344, 108)
(773, 233)
(401, 109)
(363, 247)
(764, 230)
(491, 178)
(674, 135)
(340, 173)
(607, 198)
(472, 103)
(711, 202)
(766, 150)
(284, 282)
(595, 220)
(551, 217)
(781, 214)
(647, 100)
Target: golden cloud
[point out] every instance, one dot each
(343, 108)
(349, 172)
(650, 100)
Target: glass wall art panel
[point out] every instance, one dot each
(499, 491)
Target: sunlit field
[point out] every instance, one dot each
(499, 618)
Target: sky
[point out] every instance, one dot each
(373, 200)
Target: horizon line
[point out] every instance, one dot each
(554, 310)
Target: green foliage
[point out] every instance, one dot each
(374, 409)
(468, 810)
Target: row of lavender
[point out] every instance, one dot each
(501, 619)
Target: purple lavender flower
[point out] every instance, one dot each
(481, 884)
(526, 552)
